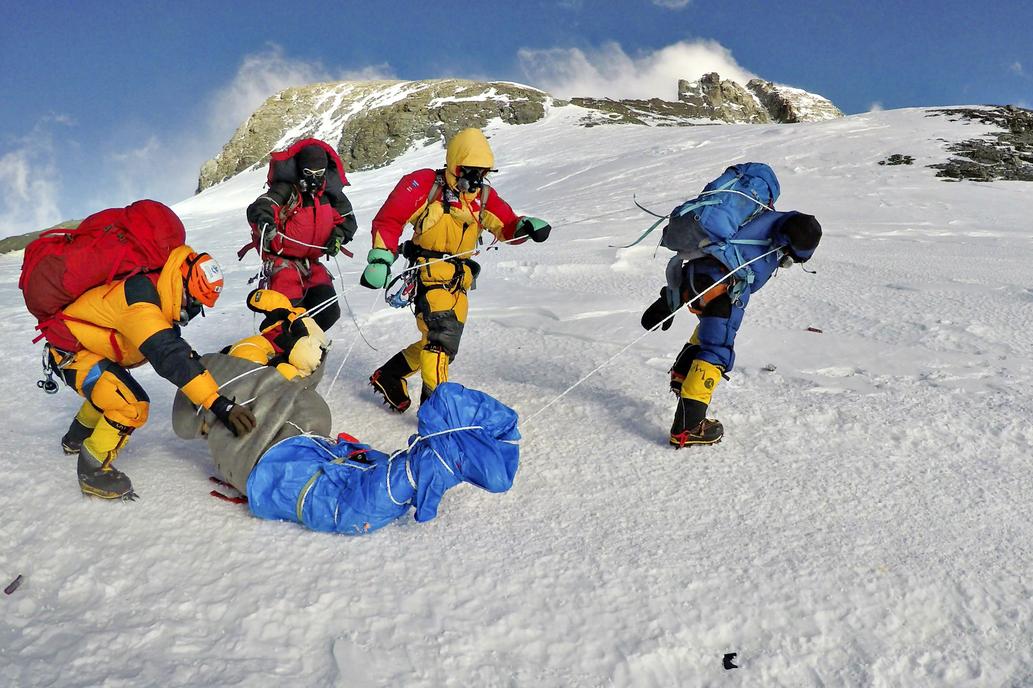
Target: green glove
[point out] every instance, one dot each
(379, 269)
(533, 227)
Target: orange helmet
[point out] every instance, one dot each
(202, 276)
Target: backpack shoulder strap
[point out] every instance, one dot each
(435, 189)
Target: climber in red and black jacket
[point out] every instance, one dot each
(303, 216)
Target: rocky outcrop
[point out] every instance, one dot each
(1004, 154)
(371, 123)
(714, 98)
(791, 105)
(653, 112)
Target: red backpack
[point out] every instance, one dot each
(62, 264)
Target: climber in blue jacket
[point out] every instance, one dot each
(710, 352)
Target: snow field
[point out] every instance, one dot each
(864, 521)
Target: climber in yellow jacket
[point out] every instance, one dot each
(448, 209)
(121, 326)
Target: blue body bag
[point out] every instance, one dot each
(346, 487)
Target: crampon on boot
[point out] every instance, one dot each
(691, 426)
(100, 479)
(389, 381)
(708, 431)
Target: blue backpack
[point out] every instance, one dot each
(707, 224)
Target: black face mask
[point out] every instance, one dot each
(471, 178)
(312, 180)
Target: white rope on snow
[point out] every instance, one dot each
(643, 335)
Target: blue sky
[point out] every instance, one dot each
(107, 102)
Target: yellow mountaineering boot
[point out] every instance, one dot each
(97, 477)
(691, 425)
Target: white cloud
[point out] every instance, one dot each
(162, 165)
(1016, 67)
(672, 4)
(608, 71)
(30, 180)
(165, 166)
(265, 74)
(875, 107)
(259, 76)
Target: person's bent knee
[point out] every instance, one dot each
(133, 415)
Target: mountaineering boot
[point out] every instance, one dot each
(82, 427)
(389, 381)
(99, 479)
(691, 426)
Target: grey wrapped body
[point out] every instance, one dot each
(283, 408)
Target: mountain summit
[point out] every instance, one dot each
(371, 123)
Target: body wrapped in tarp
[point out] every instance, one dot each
(283, 408)
(346, 487)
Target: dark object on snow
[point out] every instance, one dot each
(898, 159)
(14, 585)
(814, 329)
(727, 661)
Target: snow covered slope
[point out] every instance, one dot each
(864, 522)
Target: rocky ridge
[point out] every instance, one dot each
(19, 241)
(371, 123)
(713, 100)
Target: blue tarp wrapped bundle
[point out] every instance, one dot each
(346, 487)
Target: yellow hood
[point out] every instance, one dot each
(170, 283)
(468, 148)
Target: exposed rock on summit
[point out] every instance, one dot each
(713, 100)
(371, 123)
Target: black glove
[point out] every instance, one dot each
(657, 311)
(266, 230)
(533, 227)
(237, 419)
(334, 243)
